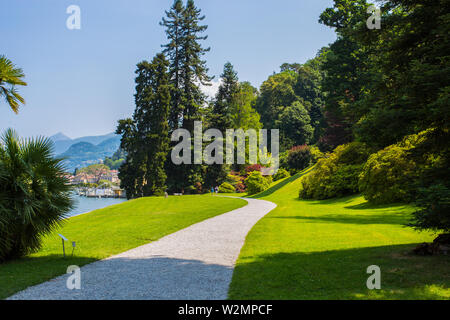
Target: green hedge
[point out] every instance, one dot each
(281, 174)
(256, 183)
(390, 174)
(226, 188)
(335, 175)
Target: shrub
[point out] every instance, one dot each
(432, 152)
(269, 179)
(256, 183)
(434, 209)
(226, 188)
(198, 187)
(336, 175)
(240, 187)
(299, 158)
(253, 167)
(233, 179)
(34, 194)
(190, 190)
(316, 154)
(388, 175)
(281, 174)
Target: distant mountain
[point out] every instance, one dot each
(62, 143)
(60, 137)
(84, 151)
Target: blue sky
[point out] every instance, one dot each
(80, 82)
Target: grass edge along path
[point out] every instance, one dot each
(108, 231)
(306, 249)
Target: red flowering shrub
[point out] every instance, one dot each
(253, 167)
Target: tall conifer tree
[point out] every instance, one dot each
(145, 138)
(187, 73)
(173, 24)
(222, 118)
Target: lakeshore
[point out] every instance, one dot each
(87, 204)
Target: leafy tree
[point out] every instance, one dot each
(97, 170)
(11, 76)
(309, 88)
(347, 71)
(277, 93)
(243, 112)
(116, 160)
(34, 194)
(300, 84)
(295, 125)
(411, 90)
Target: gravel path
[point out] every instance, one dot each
(194, 263)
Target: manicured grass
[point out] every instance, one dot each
(109, 231)
(321, 250)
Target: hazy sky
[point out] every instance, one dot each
(80, 82)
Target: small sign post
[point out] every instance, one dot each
(63, 239)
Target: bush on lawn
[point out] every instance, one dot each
(226, 188)
(253, 167)
(432, 198)
(34, 194)
(434, 209)
(316, 154)
(240, 187)
(299, 158)
(337, 175)
(233, 179)
(281, 174)
(388, 175)
(256, 183)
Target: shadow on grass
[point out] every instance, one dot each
(16, 275)
(341, 274)
(280, 185)
(384, 218)
(332, 201)
(368, 205)
(154, 277)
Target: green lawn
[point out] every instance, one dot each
(109, 231)
(321, 250)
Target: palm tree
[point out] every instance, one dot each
(34, 194)
(10, 76)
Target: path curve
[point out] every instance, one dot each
(195, 263)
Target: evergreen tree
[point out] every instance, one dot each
(156, 138)
(193, 69)
(225, 99)
(131, 171)
(222, 119)
(173, 24)
(187, 72)
(145, 138)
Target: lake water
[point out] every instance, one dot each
(84, 204)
